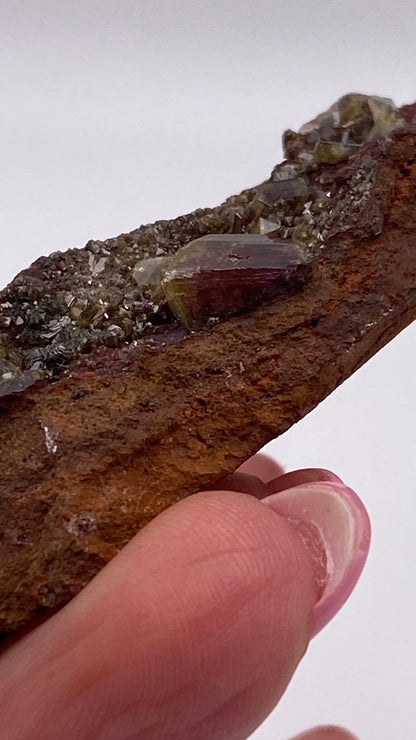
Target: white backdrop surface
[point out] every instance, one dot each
(115, 114)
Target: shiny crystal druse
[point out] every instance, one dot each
(220, 275)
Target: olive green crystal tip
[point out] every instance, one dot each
(221, 275)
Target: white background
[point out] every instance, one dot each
(114, 114)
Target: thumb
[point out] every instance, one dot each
(194, 630)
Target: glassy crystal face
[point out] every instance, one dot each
(13, 380)
(293, 190)
(220, 275)
(147, 274)
(330, 152)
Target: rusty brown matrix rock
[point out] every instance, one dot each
(111, 409)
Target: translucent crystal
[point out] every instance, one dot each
(146, 274)
(220, 275)
(294, 189)
(268, 227)
(330, 152)
(352, 121)
(13, 380)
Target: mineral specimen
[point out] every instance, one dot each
(221, 275)
(112, 409)
(68, 305)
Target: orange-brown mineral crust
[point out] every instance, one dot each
(96, 444)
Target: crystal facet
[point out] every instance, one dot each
(220, 275)
(147, 273)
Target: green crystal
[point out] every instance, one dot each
(330, 152)
(221, 275)
(348, 124)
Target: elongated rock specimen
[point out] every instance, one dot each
(128, 382)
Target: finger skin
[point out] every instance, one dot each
(327, 732)
(193, 630)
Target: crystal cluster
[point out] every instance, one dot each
(340, 131)
(109, 293)
(333, 196)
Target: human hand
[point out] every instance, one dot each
(195, 628)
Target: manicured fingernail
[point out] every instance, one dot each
(333, 522)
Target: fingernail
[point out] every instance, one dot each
(296, 477)
(243, 483)
(333, 523)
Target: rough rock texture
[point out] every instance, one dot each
(109, 437)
